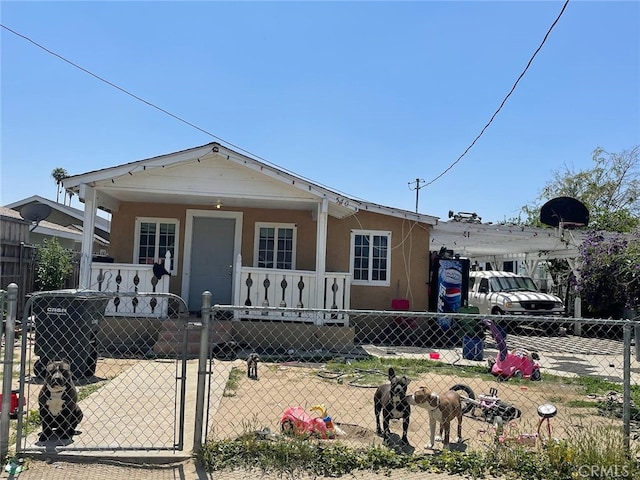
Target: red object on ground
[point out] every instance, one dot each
(296, 421)
(14, 403)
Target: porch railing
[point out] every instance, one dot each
(268, 287)
(131, 278)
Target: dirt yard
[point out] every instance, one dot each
(257, 404)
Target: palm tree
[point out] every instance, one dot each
(58, 175)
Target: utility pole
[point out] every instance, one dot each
(418, 185)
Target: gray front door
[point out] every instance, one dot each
(211, 261)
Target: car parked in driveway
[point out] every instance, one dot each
(506, 293)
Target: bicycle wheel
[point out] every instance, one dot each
(467, 396)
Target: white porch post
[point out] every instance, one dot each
(237, 285)
(88, 194)
(321, 253)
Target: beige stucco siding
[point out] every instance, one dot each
(409, 259)
(123, 232)
(409, 248)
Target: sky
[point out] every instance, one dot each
(362, 97)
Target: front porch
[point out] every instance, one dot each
(302, 290)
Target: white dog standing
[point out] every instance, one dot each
(442, 409)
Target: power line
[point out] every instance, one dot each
(505, 98)
(166, 112)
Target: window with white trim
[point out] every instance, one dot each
(275, 246)
(371, 257)
(154, 238)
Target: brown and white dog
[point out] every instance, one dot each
(442, 409)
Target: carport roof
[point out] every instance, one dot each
(490, 242)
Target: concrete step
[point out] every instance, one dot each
(171, 336)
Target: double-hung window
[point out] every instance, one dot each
(370, 257)
(154, 238)
(275, 246)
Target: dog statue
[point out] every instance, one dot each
(390, 399)
(252, 366)
(442, 409)
(58, 402)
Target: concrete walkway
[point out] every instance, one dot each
(136, 410)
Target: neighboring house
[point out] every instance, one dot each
(17, 244)
(225, 222)
(71, 218)
(69, 238)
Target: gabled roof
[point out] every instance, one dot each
(101, 223)
(44, 227)
(340, 205)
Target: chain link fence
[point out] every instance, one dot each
(129, 371)
(150, 377)
(518, 382)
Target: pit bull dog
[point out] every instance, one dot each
(58, 402)
(390, 400)
(442, 409)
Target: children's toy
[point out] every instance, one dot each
(295, 421)
(14, 403)
(546, 412)
(490, 406)
(518, 363)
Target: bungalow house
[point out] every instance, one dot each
(251, 234)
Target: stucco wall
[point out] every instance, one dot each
(409, 260)
(409, 247)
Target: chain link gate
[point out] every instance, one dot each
(128, 356)
(559, 377)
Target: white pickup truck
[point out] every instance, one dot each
(506, 293)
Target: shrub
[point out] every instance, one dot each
(53, 265)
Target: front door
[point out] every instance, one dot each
(212, 247)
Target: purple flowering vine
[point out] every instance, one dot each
(610, 272)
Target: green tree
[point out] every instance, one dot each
(610, 190)
(58, 174)
(53, 265)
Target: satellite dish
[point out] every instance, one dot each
(564, 211)
(35, 213)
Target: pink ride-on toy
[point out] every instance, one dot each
(295, 421)
(518, 363)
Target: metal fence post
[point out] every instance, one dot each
(202, 371)
(626, 385)
(637, 336)
(7, 370)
